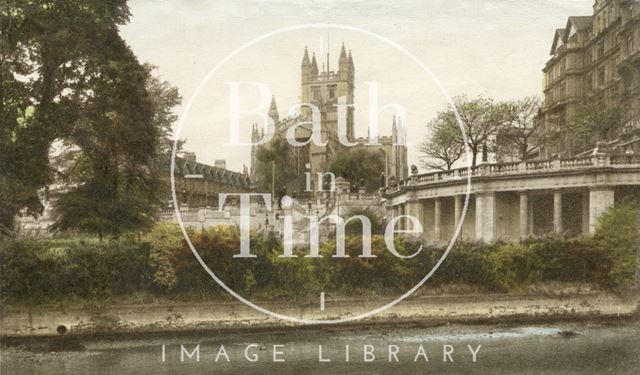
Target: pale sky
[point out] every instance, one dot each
(495, 48)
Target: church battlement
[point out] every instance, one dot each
(325, 76)
(384, 139)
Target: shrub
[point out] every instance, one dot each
(354, 227)
(617, 235)
(160, 262)
(572, 261)
(164, 239)
(44, 271)
(465, 264)
(512, 266)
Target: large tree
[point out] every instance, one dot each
(444, 145)
(274, 167)
(113, 176)
(45, 48)
(361, 167)
(522, 125)
(70, 80)
(164, 98)
(481, 118)
(594, 120)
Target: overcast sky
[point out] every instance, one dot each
(495, 48)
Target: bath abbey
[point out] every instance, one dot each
(327, 91)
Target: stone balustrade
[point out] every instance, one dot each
(516, 200)
(515, 168)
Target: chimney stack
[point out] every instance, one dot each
(189, 156)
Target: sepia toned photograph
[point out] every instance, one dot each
(319, 187)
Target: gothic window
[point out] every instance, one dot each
(332, 91)
(315, 93)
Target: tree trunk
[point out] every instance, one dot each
(523, 151)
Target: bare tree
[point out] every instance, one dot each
(522, 122)
(444, 146)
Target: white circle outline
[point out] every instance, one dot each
(185, 115)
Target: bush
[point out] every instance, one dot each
(44, 271)
(617, 235)
(160, 262)
(354, 227)
(572, 261)
(164, 241)
(465, 264)
(511, 266)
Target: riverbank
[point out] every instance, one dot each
(430, 310)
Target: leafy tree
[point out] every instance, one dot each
(118, 141)
(16, 191)
(47, 49)
(164, 98)
(360, 165)
(274, 166)
(522, 124)
(481, 118)
(74, 85)
(444, 146)
(594, 120)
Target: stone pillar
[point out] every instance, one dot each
(599, 202)
(457, 210)
(415, 209)
(437, 226)
(557, 212)
(531, 229)
(585, 213)
(524, 215)
(390, 211)
(485, 217)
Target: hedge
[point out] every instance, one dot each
(160, 263)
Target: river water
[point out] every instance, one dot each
(577, 348)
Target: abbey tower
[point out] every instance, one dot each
(324, 89)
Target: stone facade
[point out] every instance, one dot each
(198, 184)
(594, 57)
